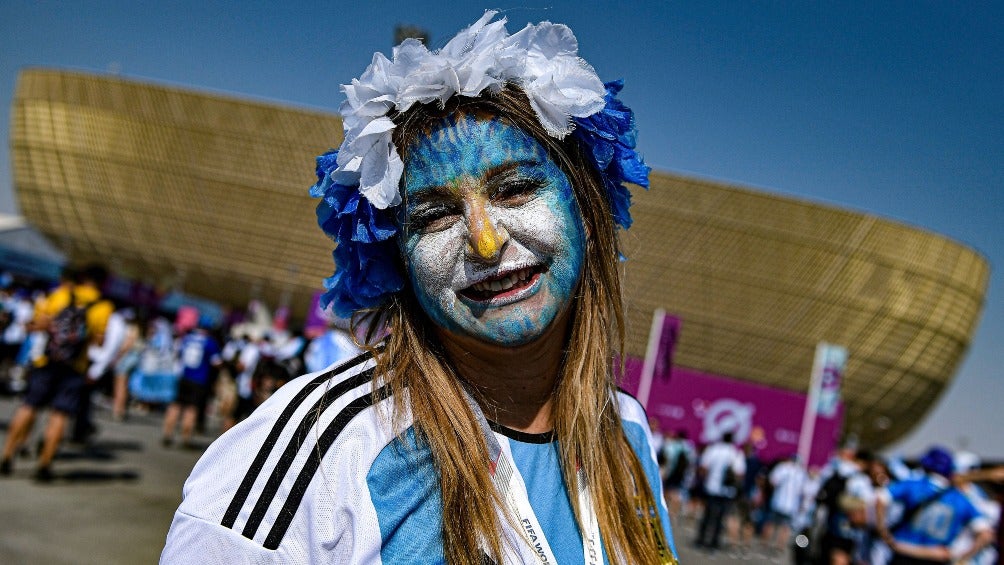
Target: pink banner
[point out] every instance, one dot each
(707, 405)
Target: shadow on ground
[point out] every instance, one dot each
(98, 476)
(101, 450)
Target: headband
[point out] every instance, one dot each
(359, 182)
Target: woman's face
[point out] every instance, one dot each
(493, 236)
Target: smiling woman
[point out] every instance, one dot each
(474, 202)
(492, 233)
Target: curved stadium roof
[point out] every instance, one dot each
(209, 193)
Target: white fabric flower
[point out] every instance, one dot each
(542, 59)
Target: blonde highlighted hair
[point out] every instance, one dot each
(585, 416)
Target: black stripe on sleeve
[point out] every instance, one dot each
(327, 438)
(240, 497)
(289, 454)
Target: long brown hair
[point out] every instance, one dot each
(585, 415)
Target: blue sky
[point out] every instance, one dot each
(893, 109)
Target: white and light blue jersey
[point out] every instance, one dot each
(316, 475)
(940, 521)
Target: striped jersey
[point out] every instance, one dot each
(316, 474)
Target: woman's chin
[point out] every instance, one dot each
(512, 325)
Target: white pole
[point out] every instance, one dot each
(811, 405)
(648, 367)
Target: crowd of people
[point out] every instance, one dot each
(72, 347)
(475, 202)
(860, 508)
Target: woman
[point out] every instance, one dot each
(486, 427)
(127, 361)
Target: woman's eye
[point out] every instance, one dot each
(432, 217)
(516, 191)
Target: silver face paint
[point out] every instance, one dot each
(493, 234)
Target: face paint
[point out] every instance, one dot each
(492, 232)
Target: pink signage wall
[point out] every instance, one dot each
(708, 405)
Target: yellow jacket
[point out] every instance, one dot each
(98, 312)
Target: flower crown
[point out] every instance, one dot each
(359, 182)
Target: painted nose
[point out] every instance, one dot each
(485, 236)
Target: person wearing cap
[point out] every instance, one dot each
(967, 465)
(934, 514)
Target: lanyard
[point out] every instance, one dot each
(512, 489)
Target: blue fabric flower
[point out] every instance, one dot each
(610, 134)
(365, 269)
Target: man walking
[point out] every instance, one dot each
(73, 316)
(199, 355)
(722, 467)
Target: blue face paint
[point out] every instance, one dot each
(492, 232)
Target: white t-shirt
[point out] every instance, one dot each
(788, 479)
(715, 460)
(249, 360)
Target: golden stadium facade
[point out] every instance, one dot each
(209, 193)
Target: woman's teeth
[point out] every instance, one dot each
(505, 283)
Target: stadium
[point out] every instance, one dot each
(208, 193)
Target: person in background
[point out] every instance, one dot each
(246, 364)
(126, 362)
(226, 384)
(872, 549)
(333, 346)
(749, 500)
(788, 479)
(289, 356)
(19, 310)
(232, 351)
(677, 460)
(844, 496)
(102, 357)
(722, 467)
(73, 315)
(805, 548)
(967, 465)
(199, 354)
(935, 513)
(155, 381)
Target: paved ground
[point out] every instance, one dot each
(112, 502)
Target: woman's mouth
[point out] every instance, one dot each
(503, 286)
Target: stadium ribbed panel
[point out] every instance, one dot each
(209, 193)
(758, 280)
